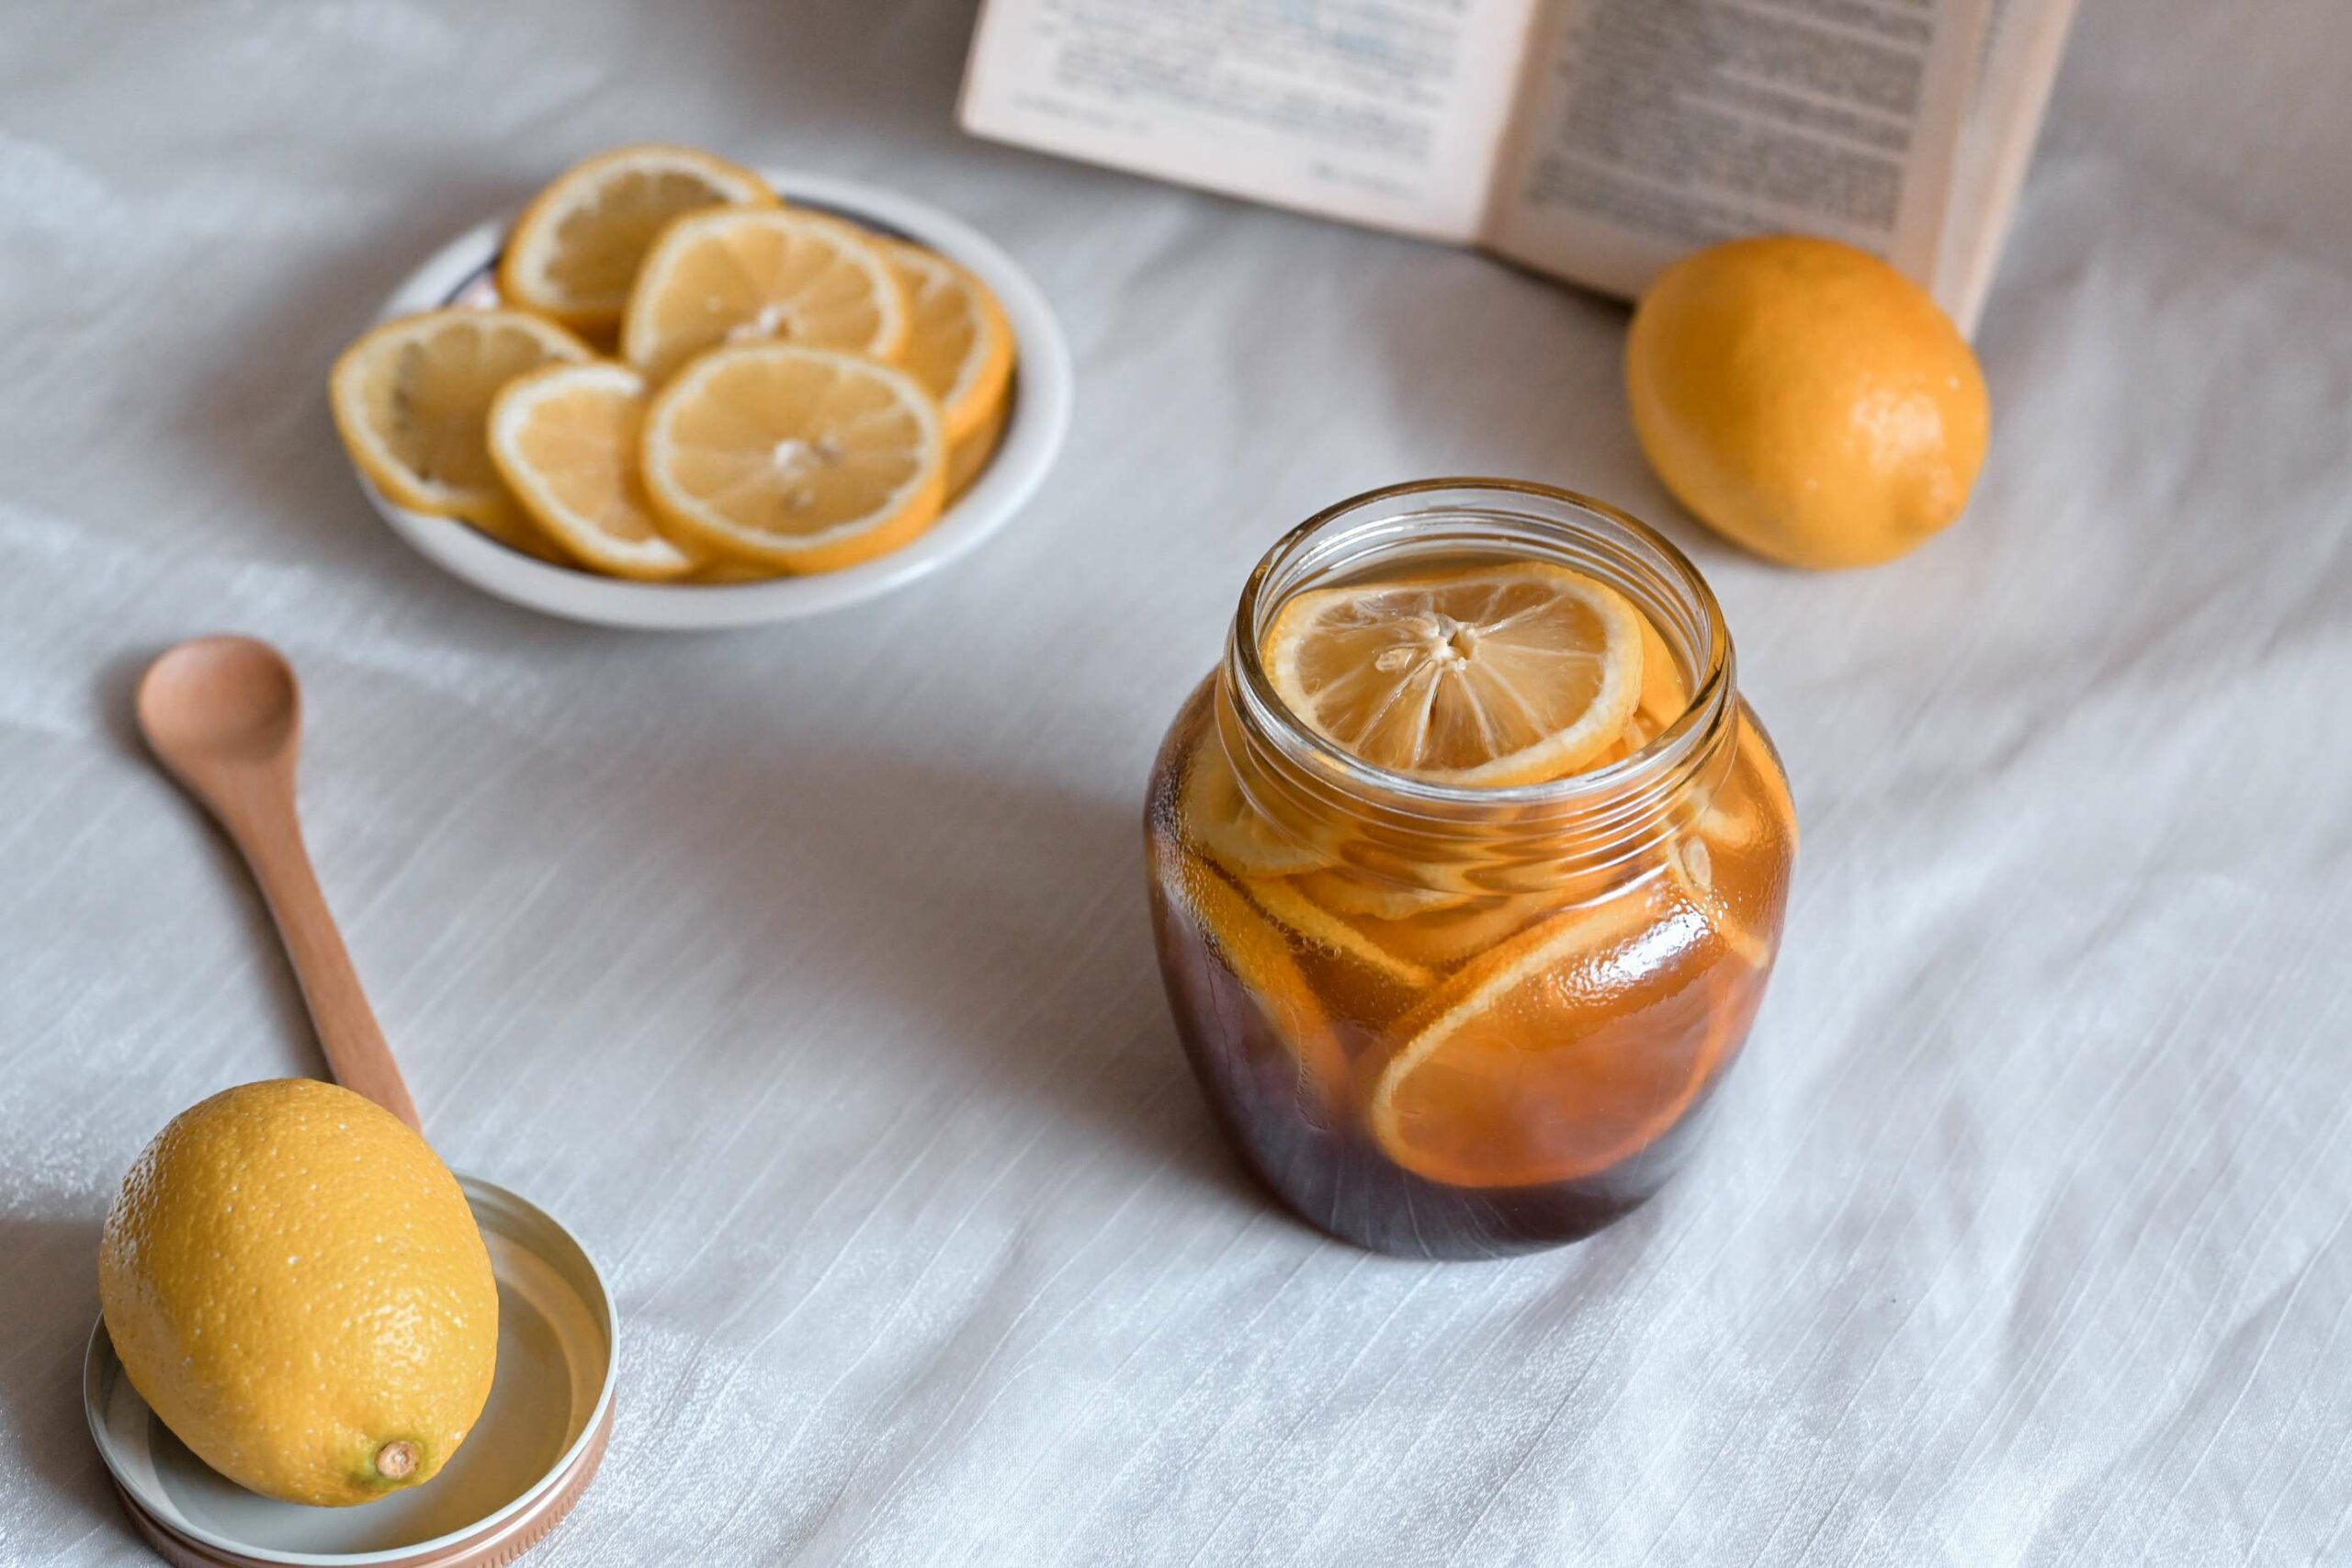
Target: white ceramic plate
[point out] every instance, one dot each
(463, 272)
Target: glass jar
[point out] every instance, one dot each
(1446, 1021)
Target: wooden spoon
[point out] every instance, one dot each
(224, 717)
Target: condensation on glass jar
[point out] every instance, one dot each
(1455, 1023)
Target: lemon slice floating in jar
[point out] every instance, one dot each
(575, 250)
(1511, 1072)
(1219, 816)
(1749, 803)
(797, 457)
(1319, 929)
(1353, 893)
(1254, 950)
(741, 274)
(1502, 675)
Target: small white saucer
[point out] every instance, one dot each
(463, 273)
(529, 1456)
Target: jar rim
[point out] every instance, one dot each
(1656, 768)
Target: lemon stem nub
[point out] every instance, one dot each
(396, 1460)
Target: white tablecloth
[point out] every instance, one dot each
(806, 972)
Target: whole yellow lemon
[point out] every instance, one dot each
(1806, 399)
(294, 1282)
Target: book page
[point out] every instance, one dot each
(1387, 112)
(2023, 46)
(1648, 128)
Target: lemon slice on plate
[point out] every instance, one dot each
(412, 400)
(958, 343)
(1497, 676)
(968, 458)
(505, 521)
(565, 439)
(798, 457)
(740, 274)
(575, 250)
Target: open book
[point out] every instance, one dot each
(1593, 139)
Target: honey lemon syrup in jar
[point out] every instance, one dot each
(1467, 867)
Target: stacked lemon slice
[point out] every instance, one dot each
(687, 379)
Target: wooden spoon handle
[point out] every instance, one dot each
(266, 830)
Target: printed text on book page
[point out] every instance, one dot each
(1378, 111)
(1649, 128)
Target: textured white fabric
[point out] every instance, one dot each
(806, 972)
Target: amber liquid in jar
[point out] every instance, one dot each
(1448, 1007)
